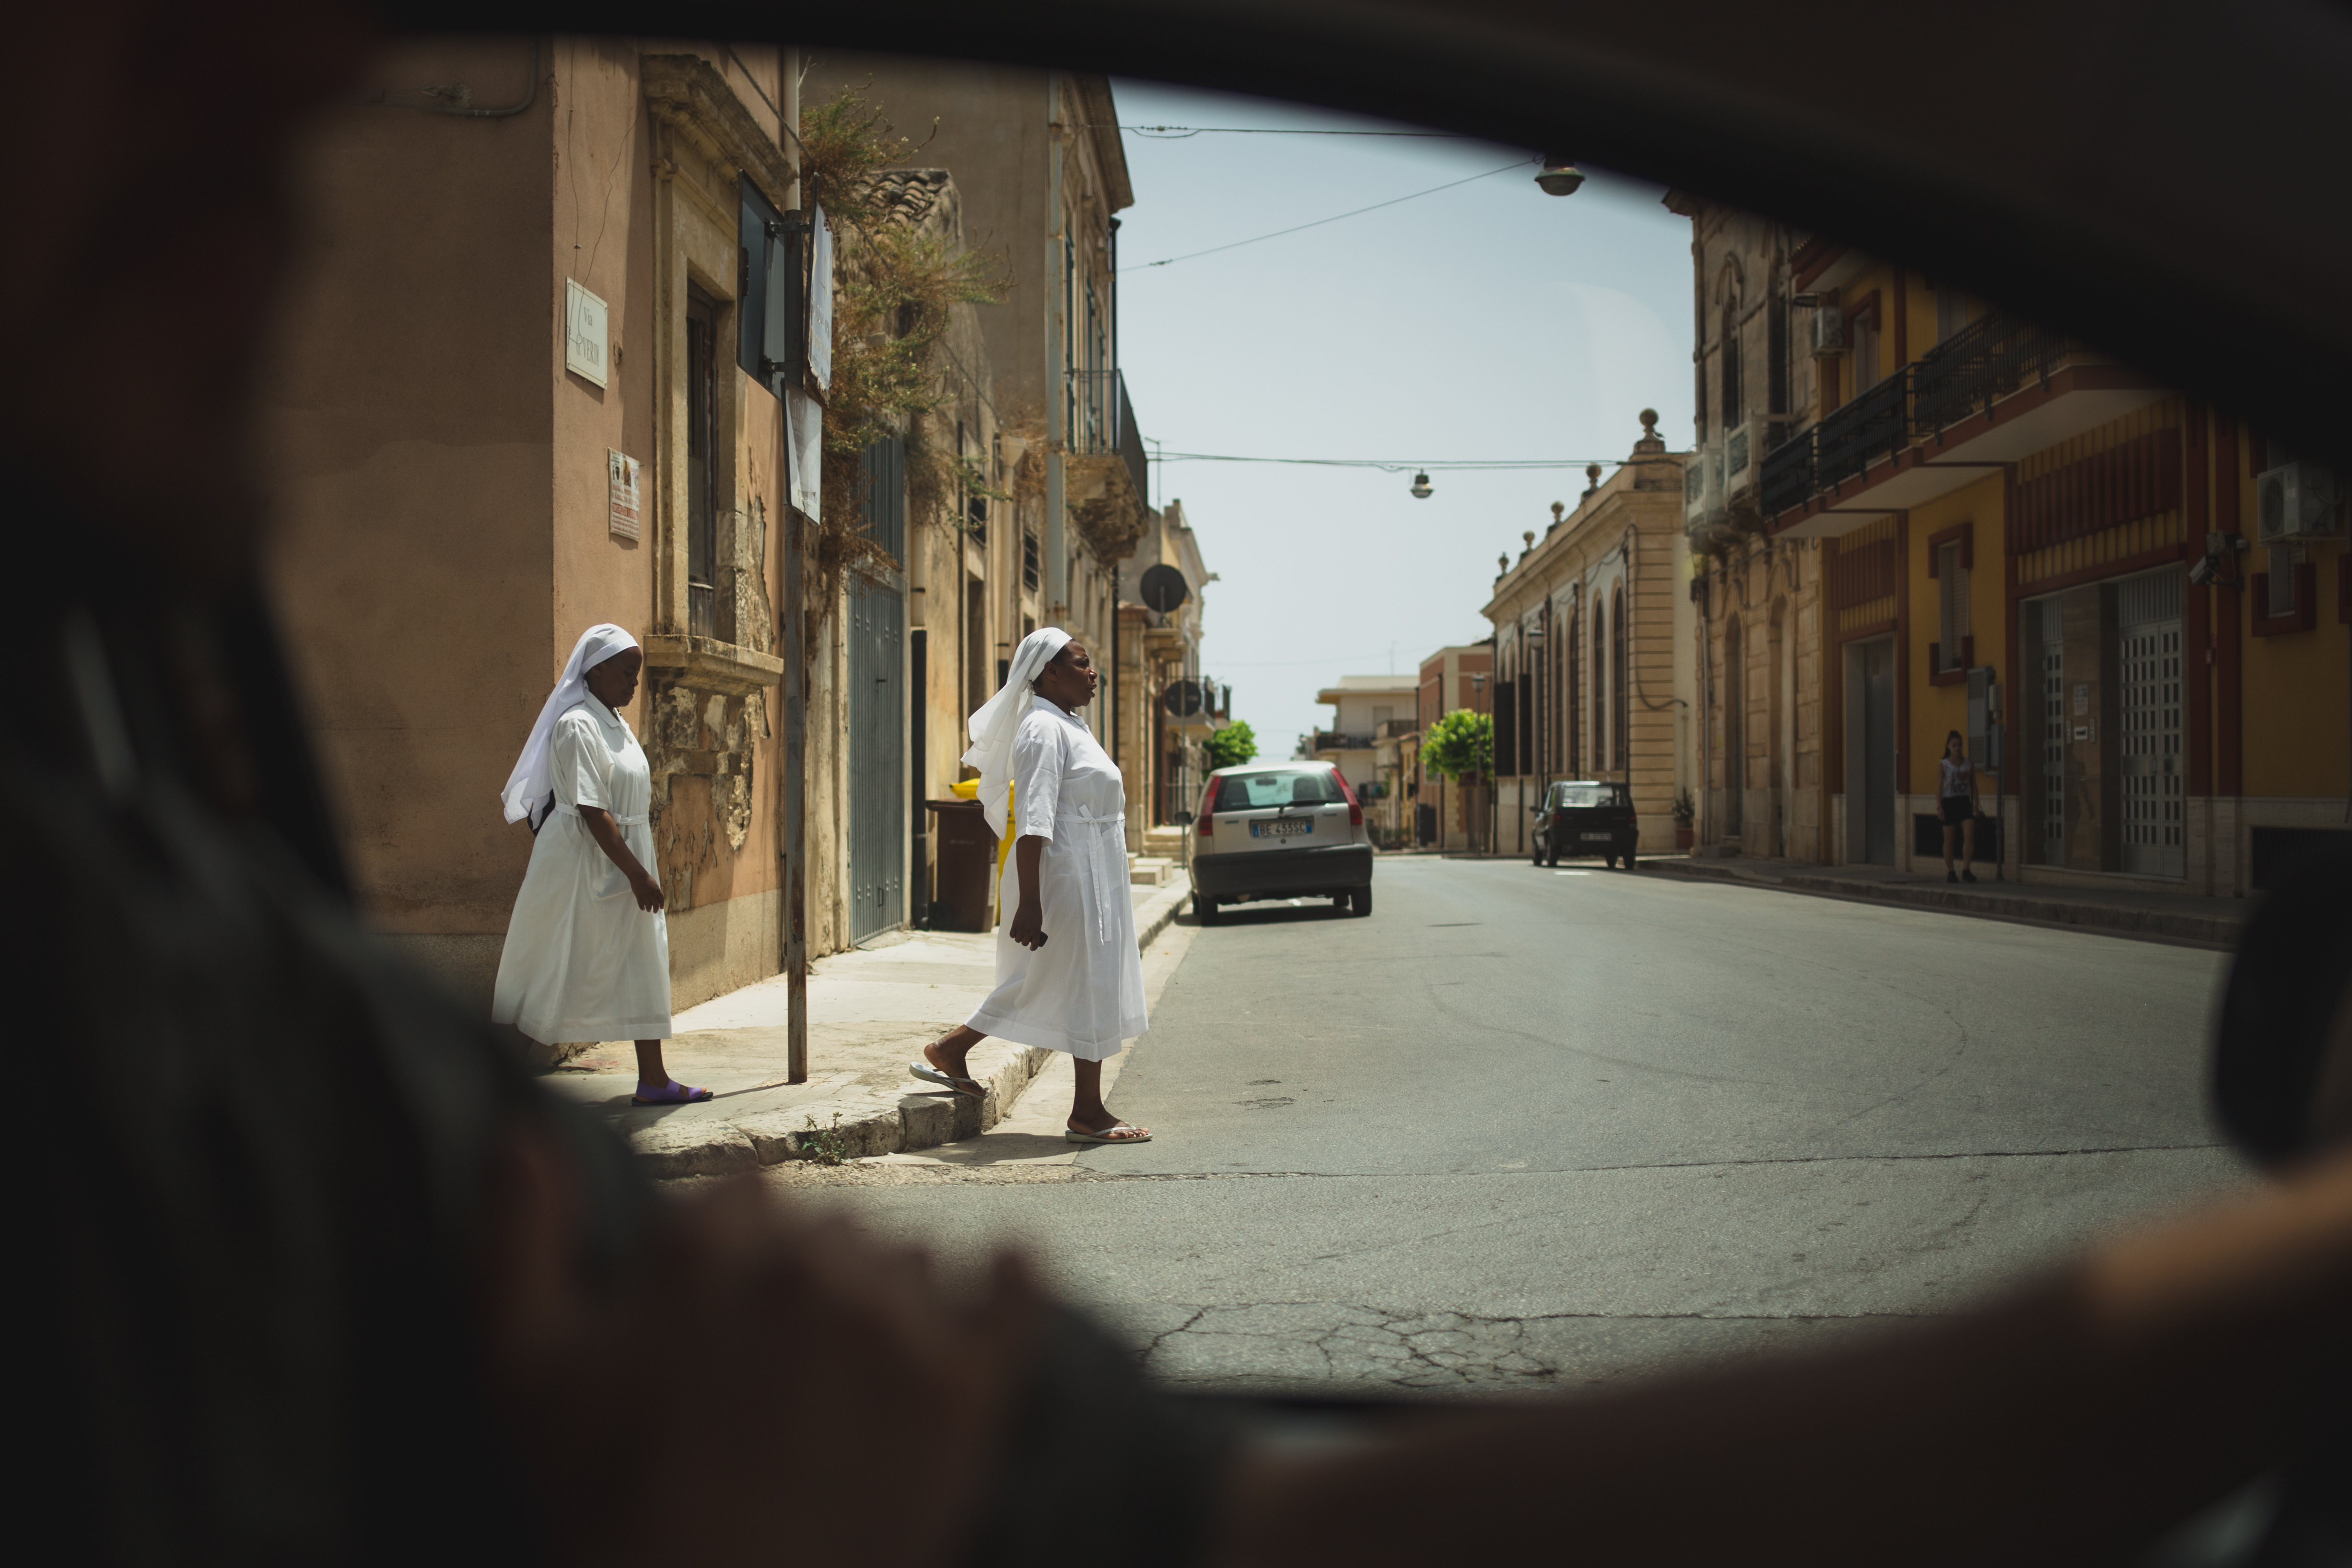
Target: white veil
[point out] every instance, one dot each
(531, 787)
(999, 718)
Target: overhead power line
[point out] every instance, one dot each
(1335, 217)
(1397, 465)
(1179, 132)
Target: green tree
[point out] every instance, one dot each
(1460, 745)
(1230, 746)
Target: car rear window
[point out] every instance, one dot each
(1261, 792)
(1592, 795)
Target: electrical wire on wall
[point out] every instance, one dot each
(461, 97)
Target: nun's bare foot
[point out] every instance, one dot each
(949, 1052)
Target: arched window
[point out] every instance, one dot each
(1600, 688)
(1569, 696)
(1731, 411)
(1619, 750)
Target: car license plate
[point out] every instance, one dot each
(1596, 837)
(1282, 828)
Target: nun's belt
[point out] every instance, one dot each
(639, 820)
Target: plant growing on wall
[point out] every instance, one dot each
(897, 281)
(1230, 746)
(1460, 746)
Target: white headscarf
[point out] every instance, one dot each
(531, 787)
(999, 718)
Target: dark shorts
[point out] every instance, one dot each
(1956, 809)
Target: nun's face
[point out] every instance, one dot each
(1069, 682)
(614, 682)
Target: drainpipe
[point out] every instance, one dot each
(1055, 589)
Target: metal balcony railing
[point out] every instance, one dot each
(1787, 476)
(1102, 421)
(1868, 427)
(1341, 740)
(1985, 361)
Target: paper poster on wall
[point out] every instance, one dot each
(621, 480)
(806, 422)
(820, 343)
(584, 339)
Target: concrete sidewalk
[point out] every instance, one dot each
(2169, 917)
(871, 1011)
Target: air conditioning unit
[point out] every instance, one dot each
(1703, 484)
(1829, 330)
(2296, 501)
(1743, 460)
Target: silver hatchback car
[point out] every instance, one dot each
(1280, 830)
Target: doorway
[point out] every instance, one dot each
(1735, 734)
(2148, 617)
(1877, 743)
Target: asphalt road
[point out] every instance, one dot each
(1527, 1128)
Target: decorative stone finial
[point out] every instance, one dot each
(1503, 561)
(1528, 538)
(1649, 424)
(1557, 508)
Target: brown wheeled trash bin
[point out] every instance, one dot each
(967, 861)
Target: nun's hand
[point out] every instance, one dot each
(648, 892)
(1029, 924)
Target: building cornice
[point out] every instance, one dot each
(684, 91)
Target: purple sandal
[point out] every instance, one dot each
(670, 1093)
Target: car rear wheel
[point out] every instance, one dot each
(1610, 861)
(1551, 854)
(1362, 900)
(1204, 909)
(1338, 902)
(1537, 858)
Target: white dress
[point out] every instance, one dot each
(1083, 991)
(582, 960)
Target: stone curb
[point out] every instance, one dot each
(864, 1123)
(2220, 930)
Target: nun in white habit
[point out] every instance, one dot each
(587, 953)
(1067, 975)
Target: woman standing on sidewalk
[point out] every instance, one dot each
(1082, 990)
(587, 953)
(1956, 802)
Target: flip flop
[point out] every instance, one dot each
(1109, 1134)
(672, 1093)
(963, 1086)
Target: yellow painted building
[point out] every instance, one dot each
(2133, 606)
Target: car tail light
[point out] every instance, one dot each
(1355, 808)
(1208, 808)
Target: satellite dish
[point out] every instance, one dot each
(1184, 698)
(1164, 588)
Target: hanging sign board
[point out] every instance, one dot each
(804, 427)
(584, 336)
(621, 480)
(820, 329)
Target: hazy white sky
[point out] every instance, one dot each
(1487, 321)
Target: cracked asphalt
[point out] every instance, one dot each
(1527, 1129)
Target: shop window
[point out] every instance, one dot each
(1951, 609)
(1950, 554)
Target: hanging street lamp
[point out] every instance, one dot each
(1420, 488)
(1559, 177)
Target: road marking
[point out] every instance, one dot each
(1571, 873)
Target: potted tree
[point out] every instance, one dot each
(1685, 820)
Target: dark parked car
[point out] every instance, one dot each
(1586, 817)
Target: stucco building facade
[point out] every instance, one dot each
(1594, 648)
(1937, 517)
